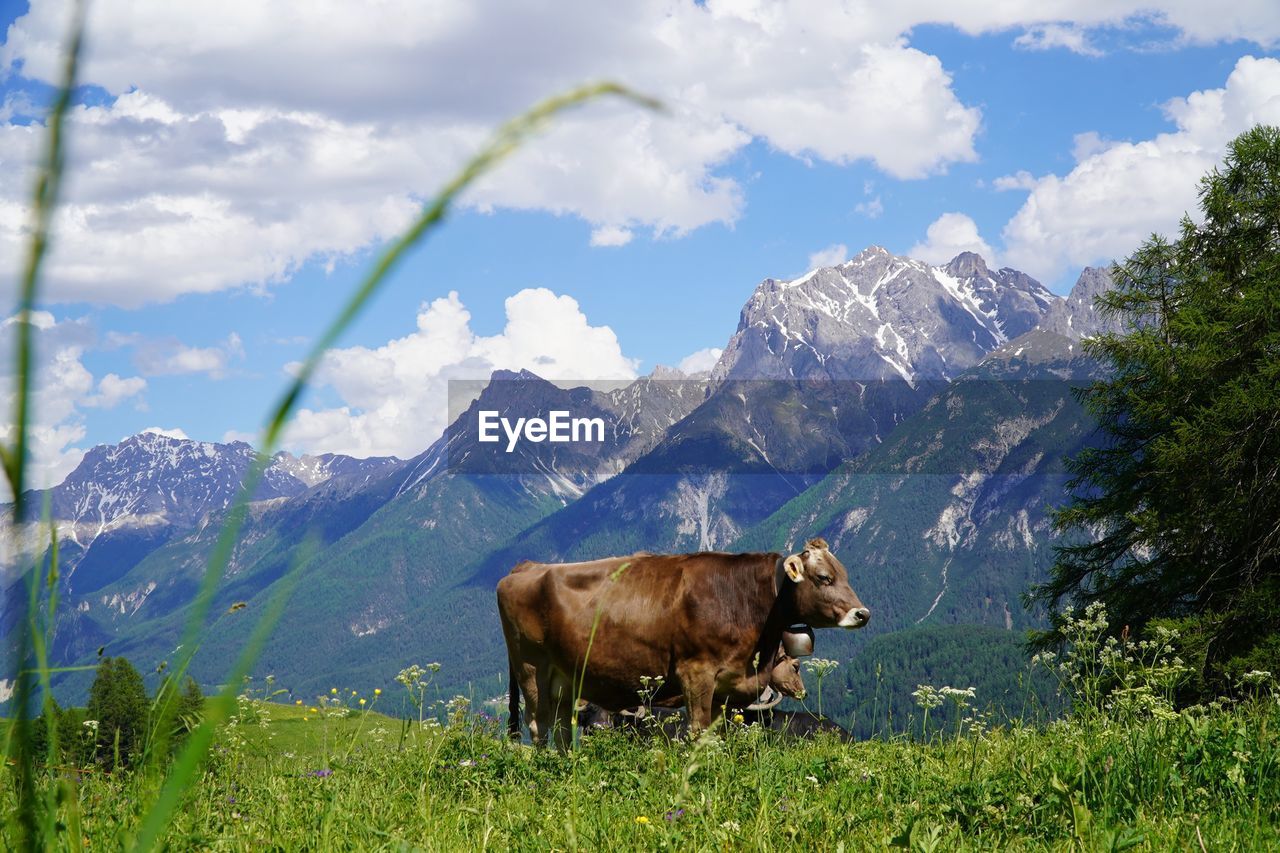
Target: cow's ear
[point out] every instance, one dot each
(794, 568)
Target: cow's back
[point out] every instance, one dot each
(538, 597)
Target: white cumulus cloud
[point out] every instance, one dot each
(243, 139)
(169, 356)
(1050, 36)
(611, 235)
(1121, 192)
(287, 130)
(697, 362)
(833, 255)
(871, 209)
(61, 385)
(169, 432)
(1020, 180)
(949, 235)
(113, 390)
(394, 397)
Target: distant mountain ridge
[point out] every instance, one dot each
(182, 480)
(150, 486)
(837, 371)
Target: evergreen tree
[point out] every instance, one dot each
(1180, 507)
(118, 701)
(74, 740)
(190, 709)
(40, 734)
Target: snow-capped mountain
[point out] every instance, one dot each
(314, 470)
(179, 481)
(1015, 300)
(130, 497)
(880, 316)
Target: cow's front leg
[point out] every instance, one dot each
(564, 710)
(699, 696)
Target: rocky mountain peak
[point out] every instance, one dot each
(159, 479)
(1076, 316)
(967, 265)
(314, 470)
(881, 316)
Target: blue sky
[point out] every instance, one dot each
(232, 178)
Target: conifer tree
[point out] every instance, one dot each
(1177, 513)
(118, 702)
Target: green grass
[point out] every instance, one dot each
(1208, 777)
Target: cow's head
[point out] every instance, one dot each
(785, 677)
(821, 591)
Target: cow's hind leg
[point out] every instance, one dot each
(542, 707)
(526, 675)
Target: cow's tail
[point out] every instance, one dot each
(513, 705)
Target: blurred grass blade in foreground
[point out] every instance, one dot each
(20, 746)
(505, 141)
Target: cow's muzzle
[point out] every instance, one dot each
(858, 617)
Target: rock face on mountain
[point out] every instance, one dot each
(636, 417)
(949, 520)
(879, 316)
(313, 470)
(1015, 299)
(1077, 317)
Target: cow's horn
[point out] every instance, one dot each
(769, 698)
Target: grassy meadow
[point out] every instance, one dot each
(334, 775)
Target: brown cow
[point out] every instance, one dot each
(703, 622)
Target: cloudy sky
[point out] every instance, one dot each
(233, 166)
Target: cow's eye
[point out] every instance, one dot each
(825, 580)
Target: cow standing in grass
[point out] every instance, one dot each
(705, 623)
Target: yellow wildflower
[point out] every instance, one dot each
(362, 701)
(333, 690)
(737, 718)
(377, 691)
(641, 819)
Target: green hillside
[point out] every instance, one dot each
(374, 601)
(872, 693)
(947, 521)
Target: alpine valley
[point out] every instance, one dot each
(915, 416)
